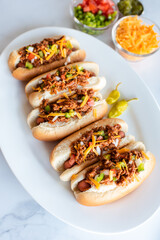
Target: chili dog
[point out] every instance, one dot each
(83, 148)
(35, 59)
(53, 121)
(64, 80)
(114, 176)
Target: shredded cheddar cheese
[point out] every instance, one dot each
(136, 177)
(87, 151)
(74, 176)
(136, 37)
(125, 165)
(53, 115)
(95, 113)
(79, 115)
(123, 150)
(61, 100)
(145, 155)
(125, 180)
(84, 101)
(93, 140)
(65, 95)
(110, 175)
(97, 184)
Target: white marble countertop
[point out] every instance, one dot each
(21, 218)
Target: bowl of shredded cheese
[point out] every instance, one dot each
(136, 37)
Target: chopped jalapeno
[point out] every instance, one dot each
(130, 7)
(29, 65)
(69, 45)
(41, 54)
(68, 75)
(100, 177)
(42, 86)
(114, 179)
(101, 133)
(80, 68)
(105, 137)
(71, 112)
(47, 108)
(67, 115)
(107, 156)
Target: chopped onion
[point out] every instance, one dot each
(30, 49)
(116, 142)
(106, 172)
(54, 119)
(130, 162)
(57, 78)
(32, 61)
(82, 143)
(105, 152)
(40, 81)
(98, 150)
(79, 101)
(138, 161)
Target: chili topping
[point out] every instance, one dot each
(47, 51)
(73, 106)
(94, 143)
(63, 78)
(116, 167)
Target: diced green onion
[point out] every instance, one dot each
(100, 177)
(141, 167)
(47, 108)
(41, 54)
(29, 65)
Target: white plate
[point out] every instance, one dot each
(29, 159)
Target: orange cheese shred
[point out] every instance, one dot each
(74, 176)
(145, 155)
(97, 185)
(136, 37)
(123, 150)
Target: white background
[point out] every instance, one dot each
(21, 218)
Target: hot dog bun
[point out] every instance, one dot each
(95, 197)
(25, 74)
(62, 151)
(35, 98)
(52, 132)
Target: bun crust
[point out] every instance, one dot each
(25, 74)
(49, 132)
(95, 198)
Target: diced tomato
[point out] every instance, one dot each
(63, 77)
(90, 102)
(103, 8)
(114, 171)
(48, 75)
(106, 6)
(93, 6)
(86, 9)
(30, 56)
